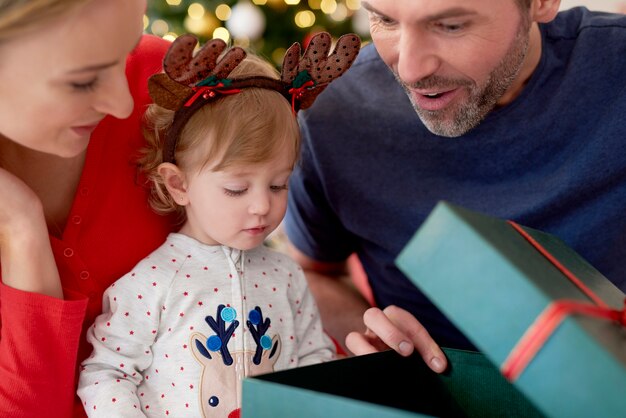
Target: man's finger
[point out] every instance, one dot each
(388, 331)
(418, 336)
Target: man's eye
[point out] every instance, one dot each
(230, 192)
(450, 27)
(381, 19)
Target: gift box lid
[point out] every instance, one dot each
(488, 279)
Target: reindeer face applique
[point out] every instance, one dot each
(222, 371)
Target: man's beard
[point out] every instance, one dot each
(460, 118)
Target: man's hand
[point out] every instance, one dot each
(396, 328)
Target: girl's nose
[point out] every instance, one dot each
(260, 204)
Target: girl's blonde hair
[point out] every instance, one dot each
(22, 16)
(244, 128)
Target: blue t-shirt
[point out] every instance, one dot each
(554, 159)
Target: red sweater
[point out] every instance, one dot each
(110, 228)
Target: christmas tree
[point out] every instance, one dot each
(267, 27)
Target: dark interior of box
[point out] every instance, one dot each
(471, 387)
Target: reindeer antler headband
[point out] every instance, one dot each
(191, 82)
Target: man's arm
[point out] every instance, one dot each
(356, 326)
(340, 303)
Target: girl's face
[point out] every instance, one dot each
(59, 82)
(238, 206)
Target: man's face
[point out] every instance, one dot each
(456, 59)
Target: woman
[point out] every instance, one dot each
(73, 213)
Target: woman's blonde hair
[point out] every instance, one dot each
(244, 128)
(21, 16)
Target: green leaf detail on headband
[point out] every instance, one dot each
(302, 78)
(214, 81)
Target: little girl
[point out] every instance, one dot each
(213, 304)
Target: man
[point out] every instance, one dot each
(519, 115)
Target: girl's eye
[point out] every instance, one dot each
(235, 193)
(278, 188)
(85, 87)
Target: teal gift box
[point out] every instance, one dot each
(494, 281)
(386, 385)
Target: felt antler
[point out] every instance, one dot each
(310, 75)
(182, 66)
(183, 70)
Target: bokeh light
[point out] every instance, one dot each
(222, 12)
(305, 19)
(264, 26)
(222, 33)
(196, 11)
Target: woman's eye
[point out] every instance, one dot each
(230, 192)
(83, 87)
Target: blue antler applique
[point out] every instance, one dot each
(219, 342)
(258, 327)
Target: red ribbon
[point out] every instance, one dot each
(296, 93)
(546, 323)
(209, 91)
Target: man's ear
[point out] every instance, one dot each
(175, 182)
(544, 11)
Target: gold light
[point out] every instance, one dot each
(305, 19)
(170, 36)
(203, 27)
(328, 6)
(223, 12)
(196, 11)
(222, 33)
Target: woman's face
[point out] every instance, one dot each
(58, 82)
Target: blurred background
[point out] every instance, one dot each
(270, 26)
(601, 5)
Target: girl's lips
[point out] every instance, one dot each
(438, 102)
(256, 231)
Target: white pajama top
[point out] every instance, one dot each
(179, 332)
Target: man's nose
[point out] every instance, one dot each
(417, 57)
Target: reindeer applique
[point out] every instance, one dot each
(222, 371)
